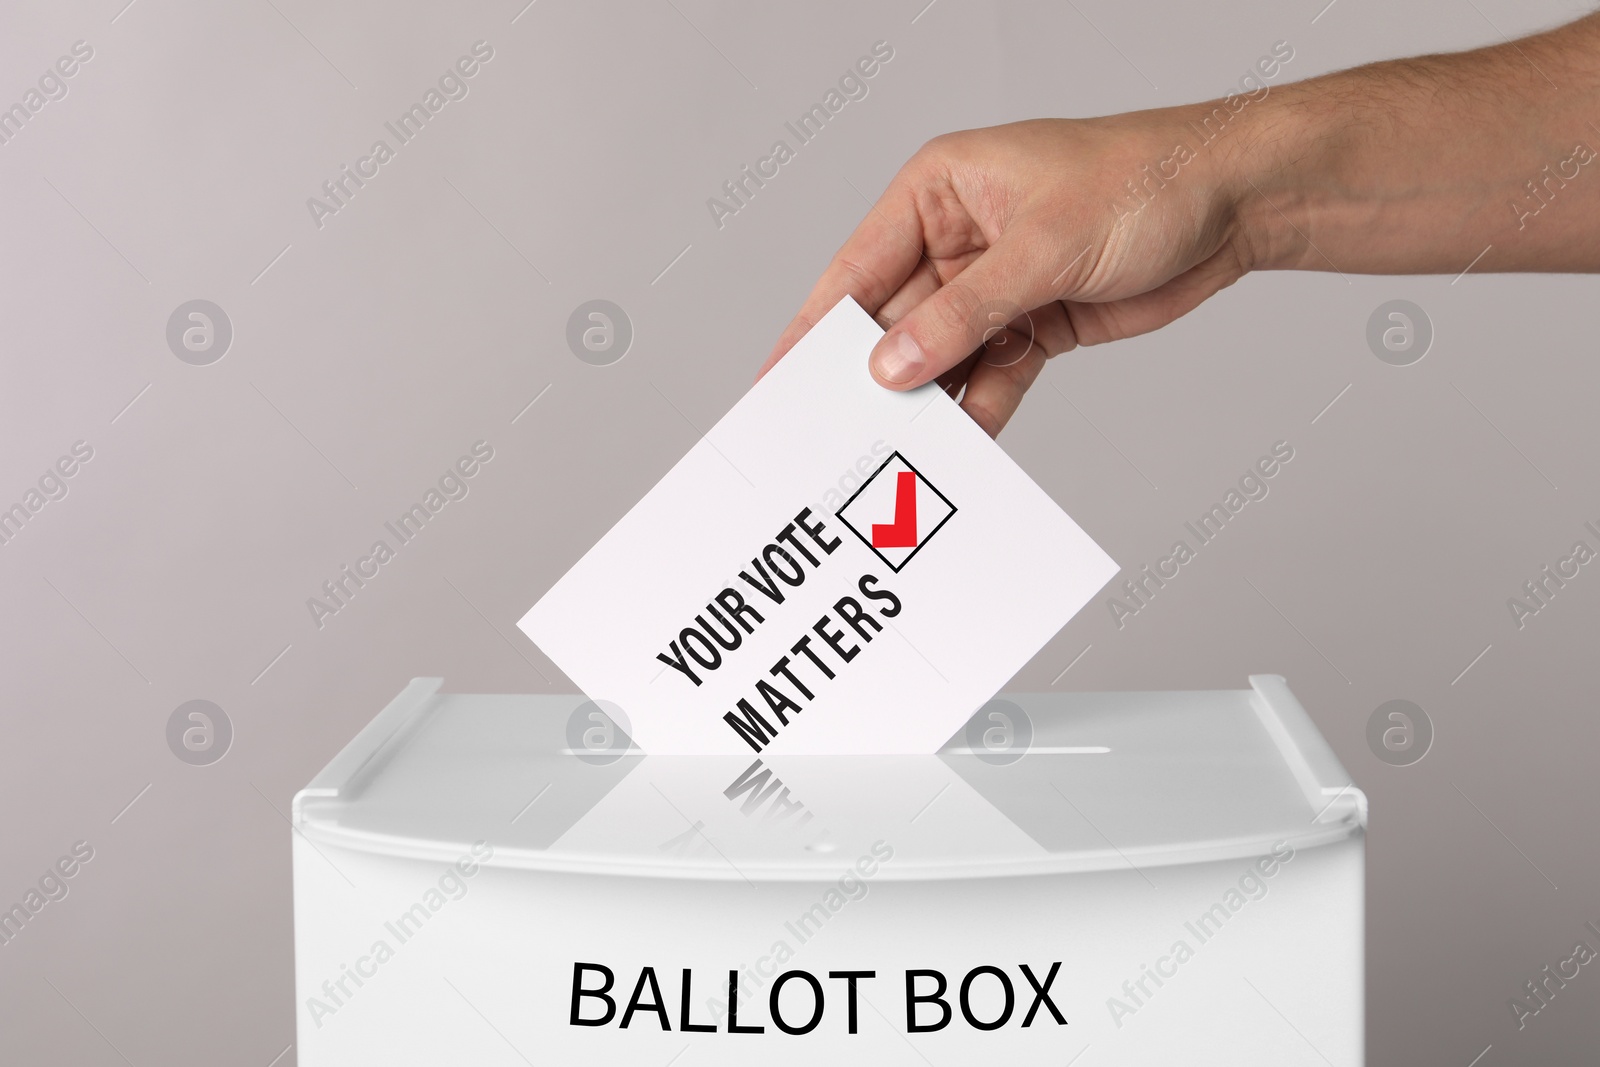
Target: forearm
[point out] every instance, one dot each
(1419, 165)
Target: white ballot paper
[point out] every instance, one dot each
(835, 568)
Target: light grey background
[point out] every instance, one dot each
(371, 353)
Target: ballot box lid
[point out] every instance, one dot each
(1036, 784)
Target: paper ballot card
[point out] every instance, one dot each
(833, 568)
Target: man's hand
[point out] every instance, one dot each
(994, 249)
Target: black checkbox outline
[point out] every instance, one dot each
(866, 540)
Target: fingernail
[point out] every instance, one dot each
(898, 359)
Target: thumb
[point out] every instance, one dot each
(955, 321)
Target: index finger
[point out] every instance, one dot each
(871, 266)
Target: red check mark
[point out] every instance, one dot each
(903, 532)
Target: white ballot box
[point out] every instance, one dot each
(1133, 878)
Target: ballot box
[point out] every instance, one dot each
(1129, 878)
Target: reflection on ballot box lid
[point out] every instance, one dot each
(1036, 784)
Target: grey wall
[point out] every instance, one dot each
(368, 354)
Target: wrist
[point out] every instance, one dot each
(1280, 173)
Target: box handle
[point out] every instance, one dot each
(1322, 778)
(355, 764)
